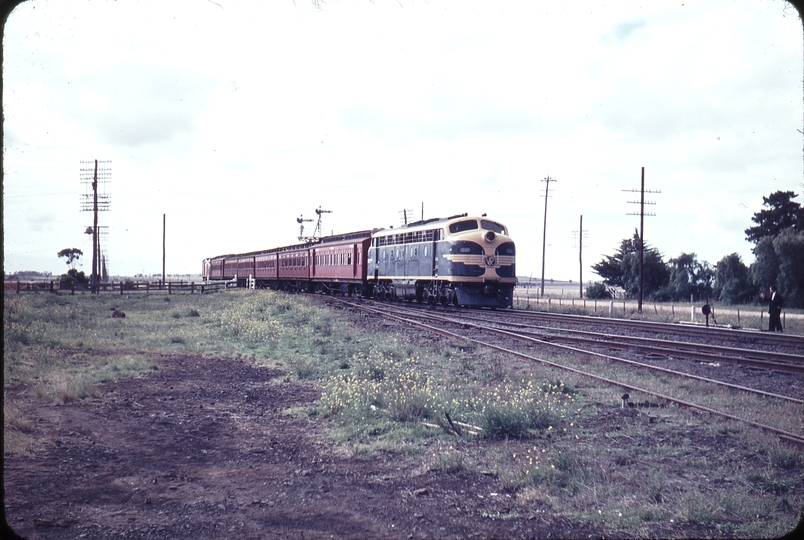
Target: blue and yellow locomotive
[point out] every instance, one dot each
(460, 260)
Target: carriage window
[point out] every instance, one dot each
(491, 226)
(460, 226)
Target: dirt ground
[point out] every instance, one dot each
(203, 448)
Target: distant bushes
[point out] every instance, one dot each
(598, 291)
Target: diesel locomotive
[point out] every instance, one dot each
(459, 260)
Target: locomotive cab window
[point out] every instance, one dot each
(492, 226)
(460, 226)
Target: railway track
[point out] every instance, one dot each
(704, 352)
(438, 321)
(724, 334)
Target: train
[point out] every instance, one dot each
(460, 260)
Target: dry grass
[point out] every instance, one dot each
(587, 460)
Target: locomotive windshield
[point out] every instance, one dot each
(492, 226)
(465, 225)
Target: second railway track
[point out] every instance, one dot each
(438, 321)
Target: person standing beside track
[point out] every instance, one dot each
(774, 309)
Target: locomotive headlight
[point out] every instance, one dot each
(490, 236)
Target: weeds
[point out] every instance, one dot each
(553, 444)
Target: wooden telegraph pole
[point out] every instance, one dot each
(641, 215)
(580, 233)
(580, 259)
(94, 176)
(544, 237)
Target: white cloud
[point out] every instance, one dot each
(235, 118)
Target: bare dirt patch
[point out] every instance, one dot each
(204, 448)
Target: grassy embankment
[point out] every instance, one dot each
(547, 437)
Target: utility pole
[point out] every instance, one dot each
(581, 234)
(642, 215)
(406, 216)
(95, 236)
(544, 237)
(164, 229)
(94, 176)
(580, 258)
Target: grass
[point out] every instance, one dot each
(553, 442)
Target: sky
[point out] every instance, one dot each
(232, 118)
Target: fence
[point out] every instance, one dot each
(121, 287)
(734, 316)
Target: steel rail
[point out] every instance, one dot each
(751, 357)
(735, 334)
(786, 435)
(687, 352)
(693, 352)
(614, 358)
(770, 338)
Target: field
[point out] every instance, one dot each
(254, 414)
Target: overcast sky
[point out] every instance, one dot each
(234, 118)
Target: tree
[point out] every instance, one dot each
(765, 270)
(732, 281)
(72, 255)
(689, 277)
(622, 269)
(611, 267)
(654, 273)
(780, 262)
(598, 291)
(789, 247)
(782, 213)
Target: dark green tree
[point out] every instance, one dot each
(765, 270)
(622, 268)
(732, 281)
(781, 213)
(654, 273)
(598, 291)
(689, 277)
(611, 267)
(789, 247)
(780, 262)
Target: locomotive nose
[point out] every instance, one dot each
(490, 236)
